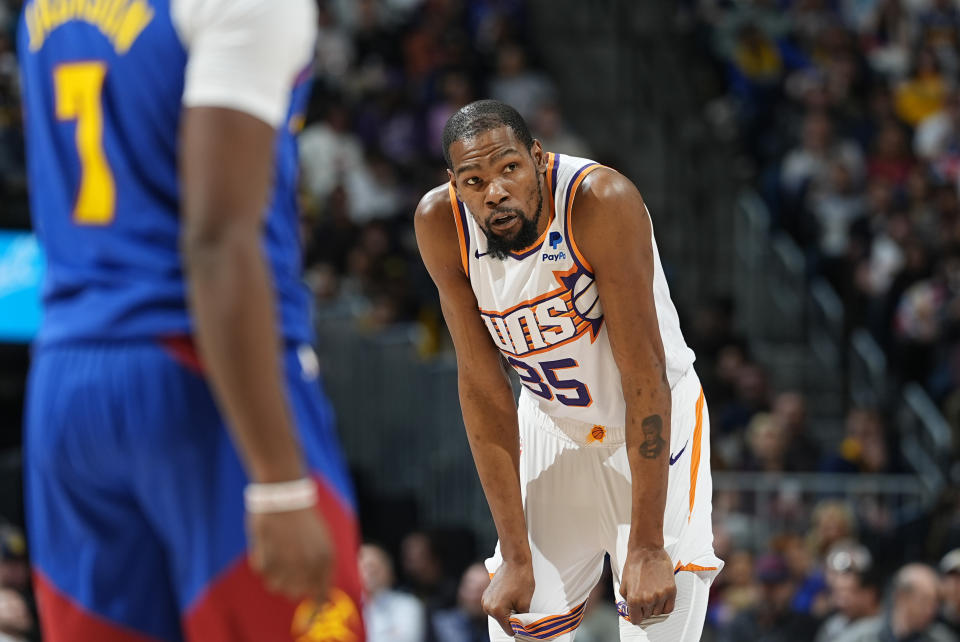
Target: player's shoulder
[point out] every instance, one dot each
(435, 207)
(605, 187)
(437, 236)
(268, 17)
(608, 212)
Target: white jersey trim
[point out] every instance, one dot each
(245, 54)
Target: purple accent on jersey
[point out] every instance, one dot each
(568, 228)
(462, 211)
(553, 174)
(532, 250)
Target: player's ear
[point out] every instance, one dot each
(539, 156)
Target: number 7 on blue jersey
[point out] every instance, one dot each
(79, 88)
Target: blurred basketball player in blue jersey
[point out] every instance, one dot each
(183, 479)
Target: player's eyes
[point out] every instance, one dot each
(473, 180)
(511, 167)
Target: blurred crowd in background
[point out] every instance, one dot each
(849, 118)
(848, 115)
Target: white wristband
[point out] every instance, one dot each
(280, 497)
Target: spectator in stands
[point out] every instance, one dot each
(772, 619)
(864, 448)
(890, 158)
(808, 165)
(14, 567)
(790, 411)
(466, 622)
(550, 129)
(924, 92)
(938, 135)
(835, 206)
(517, 85)
(424, 572)
(600, 620)
(391, 616)
(950, 589)
(736, 591)
(887, 37)
(811, 595)
(334, 47)
(16, 621)
(939, 30)
(833, 521)
(855, 590)
(911, 614)
(329, 152)
(456, 90)
(752, 396)
(766, 444)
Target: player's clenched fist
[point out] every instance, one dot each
(647, 583)
(510, 591)
(293, 552)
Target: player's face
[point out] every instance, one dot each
(501, 183)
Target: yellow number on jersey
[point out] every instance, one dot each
(78, 86)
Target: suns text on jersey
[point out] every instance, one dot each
(121, 21)
(542, 323)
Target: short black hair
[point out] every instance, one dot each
(481, 116)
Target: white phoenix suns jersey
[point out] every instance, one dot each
(542, 310)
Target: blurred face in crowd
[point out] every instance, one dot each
(851, 598)
(767, 441)
(816, 132)
(376, 570)
(470, 593)
(790, 409)
(916, 599)
(950, 588)
(501, 183)
(739, 570)
(866, 429)
(832, 522)
(419, 562)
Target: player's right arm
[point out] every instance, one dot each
(233, 105)
(486, 399)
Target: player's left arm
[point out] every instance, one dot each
(613, 232)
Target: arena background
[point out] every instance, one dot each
(801, 161)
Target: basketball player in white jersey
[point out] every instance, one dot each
(547, 264)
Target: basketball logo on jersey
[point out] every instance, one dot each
(337, 620)
(597, 434)
(550, 320)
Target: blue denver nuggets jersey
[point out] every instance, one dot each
(102, 87)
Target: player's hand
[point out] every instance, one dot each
(647, 583)
(510, 591)
(293, 552)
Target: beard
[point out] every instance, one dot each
(499, 247)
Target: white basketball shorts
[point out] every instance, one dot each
(577, 501)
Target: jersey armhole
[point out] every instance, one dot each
(568, 214)
(463, 232)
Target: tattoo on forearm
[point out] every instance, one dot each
(653, 441)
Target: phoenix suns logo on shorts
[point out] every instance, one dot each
(336, 620)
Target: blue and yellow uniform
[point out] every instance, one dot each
(134, 491)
